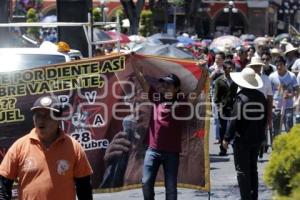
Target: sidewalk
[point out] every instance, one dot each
(223, 182)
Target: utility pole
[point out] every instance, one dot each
(4, 16)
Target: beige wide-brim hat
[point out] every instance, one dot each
(289, 48)
(255, 61)
(247, 78)
(275, 51)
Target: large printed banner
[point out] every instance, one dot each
(98, 95)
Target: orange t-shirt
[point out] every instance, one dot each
(45, 174)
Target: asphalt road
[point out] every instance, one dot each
(223, 182)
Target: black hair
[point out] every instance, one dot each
(222, 54)
(267, 53)
(251, 47)
(229, 62)
(279, 59)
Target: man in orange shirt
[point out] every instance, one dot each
(48, 163)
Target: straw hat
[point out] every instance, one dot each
(247, 78)
(275, 51)
(255, 61)
(289, 48)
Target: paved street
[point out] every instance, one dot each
(223, 182)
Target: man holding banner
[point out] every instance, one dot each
(47, 162)
(164, 136)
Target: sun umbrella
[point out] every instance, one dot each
(123, 38)
(100, 35)
(49, 19)
(137, 38)
(185, 40)
(225, 42)
(163, 50)
(160, 38)
(281, 36)
(247, 37)
(260, 40)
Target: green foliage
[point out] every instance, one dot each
(121, 14)
(283, 170)
(31, 14)
(32, 17)
(97, 15)
(146, 23)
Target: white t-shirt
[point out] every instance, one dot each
(288, 82)
(296, 65)
(267, 86)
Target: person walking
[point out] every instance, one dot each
(285, 89)
(246, 128)
(257, 64)
(225, 92)
(48, 163)
(164, 136)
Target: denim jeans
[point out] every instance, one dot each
(288, 120)
(152, 161)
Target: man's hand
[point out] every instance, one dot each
(202, 63)
(118, 145)
(225, 144)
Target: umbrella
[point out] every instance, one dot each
(137, 38)
(101, 35)
(185, 40)
(123, 38)
(260, 40)
(247, 37)
(225, 42)
(49, 19)
(162, 50)
(161, 38)
(281, 36)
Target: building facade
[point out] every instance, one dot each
(259, 17)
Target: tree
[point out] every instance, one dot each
(32, 17)
(97, 15)
(133, 11)
(146, 27)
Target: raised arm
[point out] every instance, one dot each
(140, 77)
(200, 85)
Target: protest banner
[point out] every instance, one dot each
(97, 94)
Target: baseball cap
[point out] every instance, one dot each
(47, 102)
(172, 79)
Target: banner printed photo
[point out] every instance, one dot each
(98, 100)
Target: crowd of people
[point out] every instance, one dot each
(264, 76)
(275, 87)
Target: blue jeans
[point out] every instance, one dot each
(288, 120)
(152, 161)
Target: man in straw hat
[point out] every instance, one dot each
(257, 65)
(48, 163)
(246, 128)
(292, 60)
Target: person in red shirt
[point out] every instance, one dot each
(164, 136)
(48, 163)
(241, 59)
